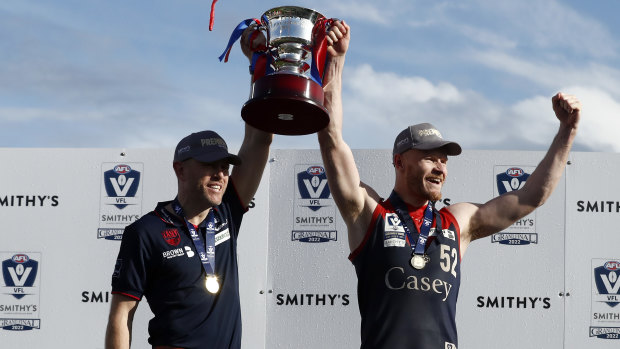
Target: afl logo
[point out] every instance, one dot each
(20, 258)
(122, 169)
(315, 170)
(612, 265)
(515, 172)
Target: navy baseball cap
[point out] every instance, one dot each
(424, 137)
(204, 146)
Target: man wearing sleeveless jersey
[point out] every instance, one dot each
(406, 254)
(183, 255)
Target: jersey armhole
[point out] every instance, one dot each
(375, 215)
(231, 184)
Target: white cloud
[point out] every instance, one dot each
(379, 104)
(600, 120)
(394, 89)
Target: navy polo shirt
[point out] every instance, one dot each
(157, 259)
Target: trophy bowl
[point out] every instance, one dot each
(288, 99)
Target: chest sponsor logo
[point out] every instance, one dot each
(523, 231)
(397, 279)
(605, 320)
(19, 295)
(314, 209)
(394, 233)
(121, 198)
(222, 236)
(171, 236)
(177, 252)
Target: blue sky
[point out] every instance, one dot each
(143, 74)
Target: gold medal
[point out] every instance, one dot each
(212, 284)
(419, 261)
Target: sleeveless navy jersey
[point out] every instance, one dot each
(402, 307)
(158, 260)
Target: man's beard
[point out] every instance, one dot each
(417, 182)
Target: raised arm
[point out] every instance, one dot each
(254, 150)
(118, 332)
(355, 202)
(478, 221)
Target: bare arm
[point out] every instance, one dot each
(254, 150)
(118, 332)
(354, 201)
(478, 221)
(254, 153)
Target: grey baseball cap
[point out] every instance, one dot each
(424, 137)
(204, 146)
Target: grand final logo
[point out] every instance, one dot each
(315, 212)
(523, 231)
(121, 198)
(19, 299)
(605, 320)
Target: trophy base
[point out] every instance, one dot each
(286, 104)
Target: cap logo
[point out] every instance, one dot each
(429, 132)
(402, 141)
(183, 150)
(205, 142)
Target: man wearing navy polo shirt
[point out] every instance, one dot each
(183, 255)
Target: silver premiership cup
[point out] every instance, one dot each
(288, 98)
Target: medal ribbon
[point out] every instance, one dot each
(403, 214)
(236, 34)
(206, 257)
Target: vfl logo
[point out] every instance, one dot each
(120, 183)
(312, 185)
(393, 222)
(171, 236)
(513, 179)
(19, 272)
(607, 283)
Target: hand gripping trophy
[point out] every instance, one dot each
(286, 96)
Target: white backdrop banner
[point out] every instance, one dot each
(548, 281)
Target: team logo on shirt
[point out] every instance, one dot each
(393, 231)
(171, 236)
